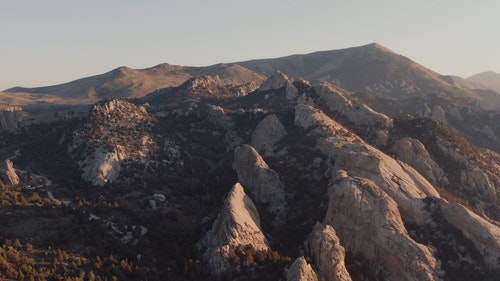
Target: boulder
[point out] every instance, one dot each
(267, 133)
(301, 271)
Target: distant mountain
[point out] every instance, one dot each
(371, 68)
(125, 82)
(489, 80)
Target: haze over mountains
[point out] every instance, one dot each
(353, 164)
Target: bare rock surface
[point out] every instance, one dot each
(115, 131)
(413, 152)
(358, 158)
(263, 183)
(267, 133)
(238, 223)
(484, 235)
(10, 117)
(9, 175)
(301, 271)
(279, 80)
(328, 253)
(368, 221)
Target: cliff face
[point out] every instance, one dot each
(8, 173)
(238, 223)
(10, 117)
(263, 183)
(267, 134)
(328, 253)
(368, 221)
(301, 271)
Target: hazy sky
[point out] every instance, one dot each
(49, 42)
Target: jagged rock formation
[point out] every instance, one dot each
(368, 221)
(414, 153)
(484, 235)
(327, 253)
(263, 183)
(360, 159)
(268, 132)
(301, 271)
(278, 81)
(8, 173)
(10, 117)
(116, 131)
(238, 223)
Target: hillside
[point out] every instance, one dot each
(489, 80)
(125, 82)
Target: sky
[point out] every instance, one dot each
(55, 41)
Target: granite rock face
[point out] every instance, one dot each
(368, 221)
(301, 271)
(328, 253)
(268, 132)
(263, 183)
(413, 152)
(238, 223)
(10, 117)
(278, 81)
(9, 175)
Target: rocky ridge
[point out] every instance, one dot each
(116, 131)
(263, 183)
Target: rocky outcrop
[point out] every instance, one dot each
(414, 153)
(376, 124)
(479, 173)
(263, 183)
(328, 254)
(484, 235)
(436, 113)
(8, 173)
(337, 100)
(401, 182)
(368, 221)
(301, 271)
(114, 132)
(278, 81)
(10, 117)
(238, 223)
(268, 132)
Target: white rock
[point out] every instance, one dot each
(301, 271)
(263, 183)
(328, 254)
(9, 175)
(368, 221)
(267, 133)
(413, 152)
(238, 223)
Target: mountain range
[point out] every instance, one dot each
(354, 164)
